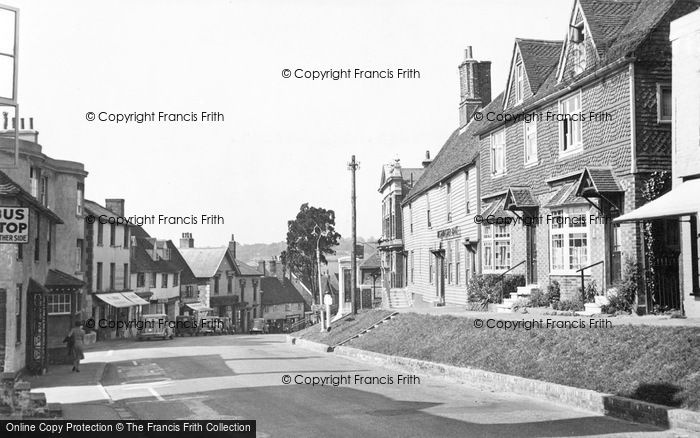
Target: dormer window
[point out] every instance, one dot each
(576, 33)
(578, 48)
(519, 82)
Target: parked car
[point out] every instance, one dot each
(185, 325)
(154, 326)
(258, 326)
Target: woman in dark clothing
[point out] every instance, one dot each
(75, 336)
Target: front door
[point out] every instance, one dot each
(531, 242)
(440, 278)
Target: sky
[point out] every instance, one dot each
(282, 141)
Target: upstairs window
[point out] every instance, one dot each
(34, 181)
(140, 279)
(153, 279)
(664, 103)
(519, 83)
(112, 234)
(467, 208)
(498, 155)
(531, 142)
(427, 201)
(80, 190)
(164, 280)
(570, 126)
(577, 38)
(448, 199)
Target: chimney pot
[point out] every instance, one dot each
(468, 53)
(186, 241)
(232, 246)
(427, 160)
(31, 123)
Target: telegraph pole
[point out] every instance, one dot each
(353, 166)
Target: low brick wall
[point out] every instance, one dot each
(309, 345)
(606, 404)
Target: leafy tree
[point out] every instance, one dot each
(311, 225)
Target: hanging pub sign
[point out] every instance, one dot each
(14, 225)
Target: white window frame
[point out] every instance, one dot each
(448, 200)
(58, 304)
(530, 142)
(573, 139)
(566, 231)
(660, 88)
(519, 82)
(467, 208)
(498, 153)
(495, 237)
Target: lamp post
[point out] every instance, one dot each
(243, 318)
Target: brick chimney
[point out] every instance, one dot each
(427, 160)
(474, 86)
(262, 268)
(116, 206)
(187, 241)
(232, 246)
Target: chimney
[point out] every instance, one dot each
(261, 267)
(273, 267)
(186, 241)
(232, 246)
(116, 206)
(474, 86)
(427, 160)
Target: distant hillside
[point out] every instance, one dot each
(254, 251)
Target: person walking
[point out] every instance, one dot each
(76, 337)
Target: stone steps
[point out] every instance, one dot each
(521, 292)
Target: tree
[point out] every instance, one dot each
(311, 225)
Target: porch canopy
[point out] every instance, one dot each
(120, 300)
(199, 307)
(682, 200)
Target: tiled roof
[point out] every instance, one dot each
(204, 262)
(186, 274)
(600, 179)
(620, 37)
(566, 196)
(411, 174)
(372, 262)
(276, 291)
(141, 261)
(540, 58)
(458, 151)
(521, 197)
(245, 270)
(9, 188)
(96, 209)
(56, 278)
(495, 209)
(138, 231)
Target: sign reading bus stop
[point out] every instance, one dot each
(14, 225)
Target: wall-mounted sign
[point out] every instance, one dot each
(14, 225)
(448, 233)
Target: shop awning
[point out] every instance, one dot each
(199, 307)
(681, 201)
(137, 300)
(117, 299)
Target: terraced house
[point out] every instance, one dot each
(589, 124)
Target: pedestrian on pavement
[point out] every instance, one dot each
(76, 336)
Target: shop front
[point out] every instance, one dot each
(113, 316)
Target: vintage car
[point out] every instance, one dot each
(258, 326)
(185, 325)
(154, 326)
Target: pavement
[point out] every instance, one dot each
(248, 377)
(460, 311)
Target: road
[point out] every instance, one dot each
(242, 377)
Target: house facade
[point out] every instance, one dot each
(26, 269)
(227, 286)
(572, 143)
(441, 239)
(155, 273)
(108, 241)
(282, 304)
(58, 186)
(682, 203)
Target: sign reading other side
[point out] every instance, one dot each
(14, 225)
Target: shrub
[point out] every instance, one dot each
(539, 299)
(486, 288)
(626, 288)
(568, 305)
(554, 292)
(591, 291)
(521, 303)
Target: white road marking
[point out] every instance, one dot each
(134, 362)
(155, 394)
(105, 393)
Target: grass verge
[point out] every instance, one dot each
(654, 364)
(344, 328)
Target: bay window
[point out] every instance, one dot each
(569, 236)
(496, 247)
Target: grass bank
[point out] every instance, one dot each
(344, 328)
(654, 364)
